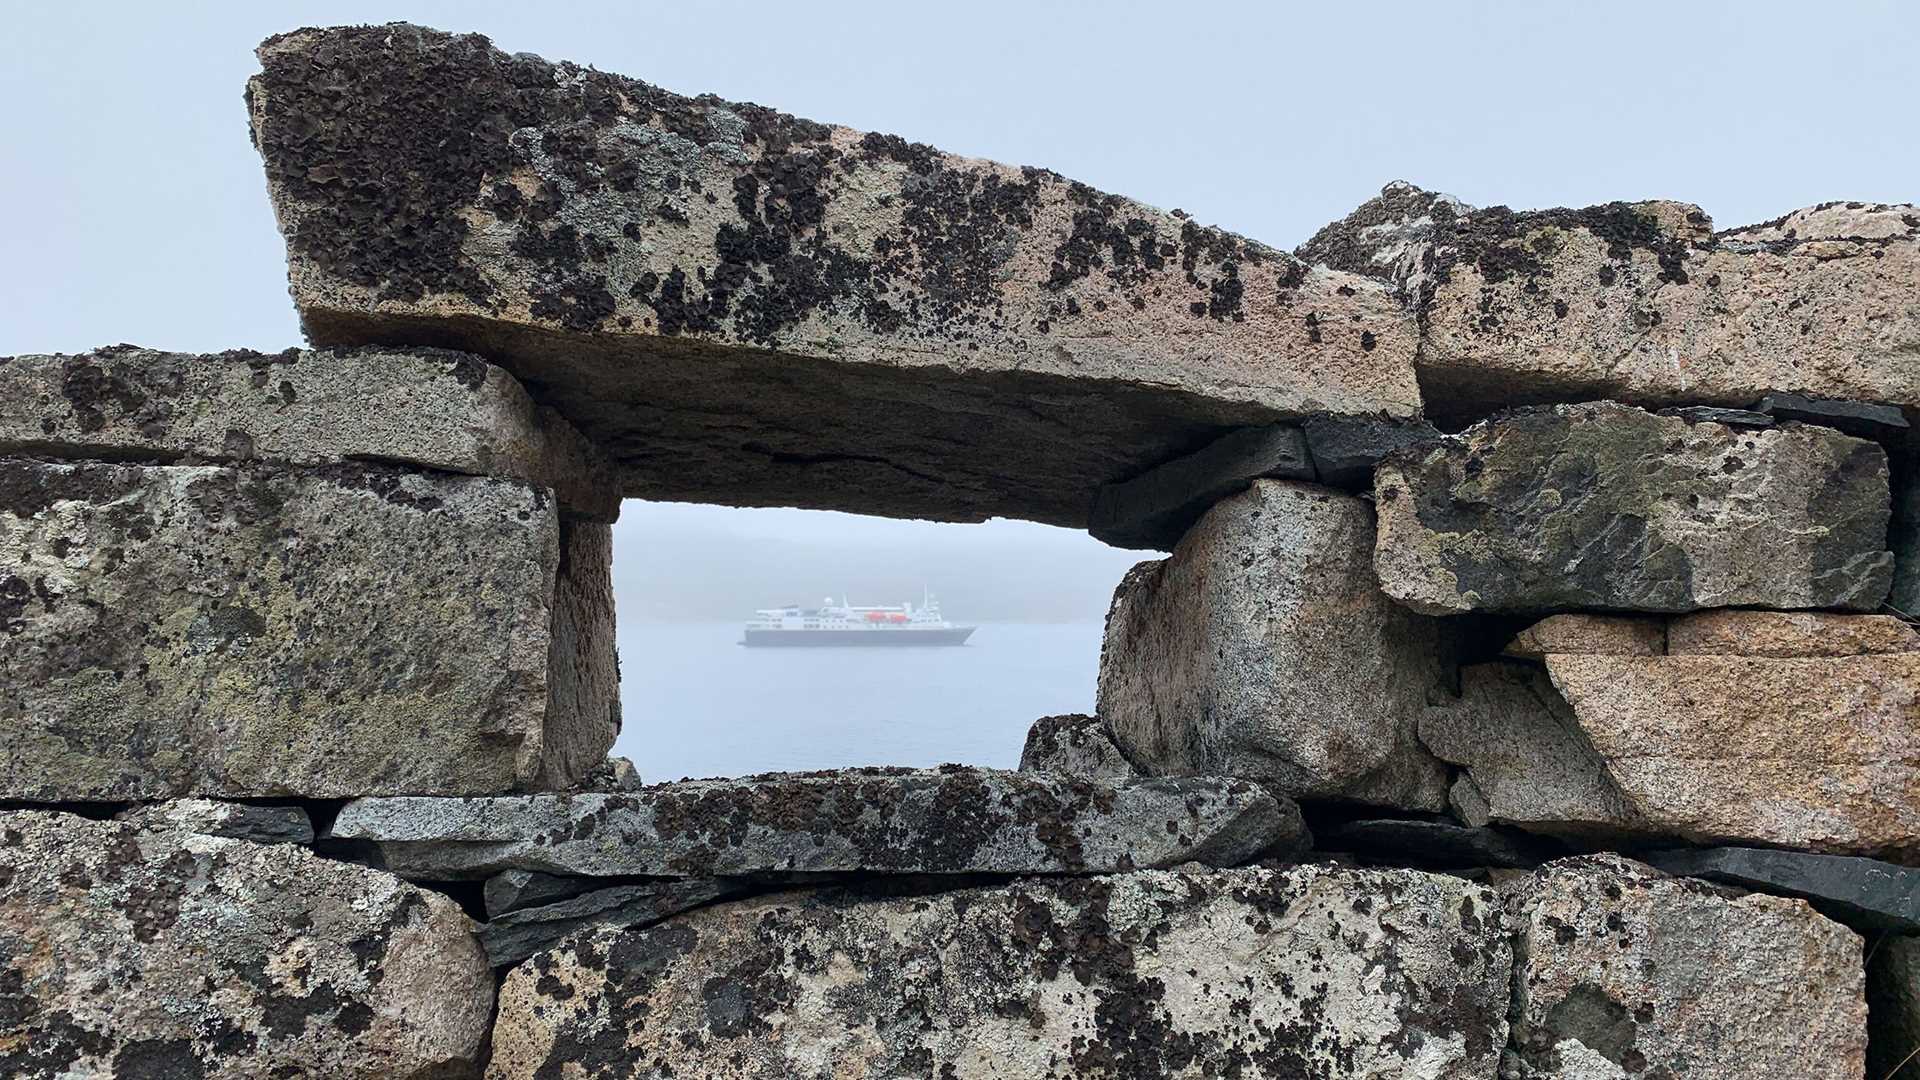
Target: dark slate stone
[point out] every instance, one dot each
(511, 890)
(1866, 894)
(1154, 510)
(1865, 419)
(1346, 448)
(1436, 843)
(1713, 414)
(512, 938)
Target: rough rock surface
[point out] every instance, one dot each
(1524, 760)
(324, 633)
(1605, 506)
(1893, 1007)
(237, 821)
(1313, 971)
(1642, 302)
(1263, 648)
(747, 307)
(1155, 509)
(1812, 753)
(898, 821)
(1608, 635)
(1866, 894)
(513, 937)
(1783, 634)
(1904, 535)
(1076, 746)
(1623, 972)
(134, 953)
(1818, 753)
(428, 408)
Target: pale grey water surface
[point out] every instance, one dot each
(698, 704)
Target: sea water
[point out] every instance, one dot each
(696, 703)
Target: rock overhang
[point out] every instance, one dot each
(750, 308)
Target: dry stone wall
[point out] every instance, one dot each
(1529, 691)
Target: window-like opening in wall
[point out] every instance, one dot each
(696, 702)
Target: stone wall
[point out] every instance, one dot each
(1529, 690)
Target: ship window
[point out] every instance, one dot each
(688, 580)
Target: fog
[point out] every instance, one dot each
(136, 211)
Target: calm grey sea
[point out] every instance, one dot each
(698, 704)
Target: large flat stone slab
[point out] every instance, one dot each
(429, 408)
(1307, 972)
(1603, 505)
(322, 633)
(1264, 648)
(1866, 894)
(1644, 302)
(750, 308)
(896, 821)
(1810, 753)
(133, 953)
(1624, 972)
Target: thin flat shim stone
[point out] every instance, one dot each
(1866, 894)
(1076, 746)
(1155, 509)
(894, 821)
(513, 937)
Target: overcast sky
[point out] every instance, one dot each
(134, 209)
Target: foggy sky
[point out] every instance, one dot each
(135, 209)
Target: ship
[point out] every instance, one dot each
(848, 624)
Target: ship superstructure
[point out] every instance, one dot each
(851, 624)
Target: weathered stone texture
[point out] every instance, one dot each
(1155, 509)
(1605, 506)
(1623, 972)
(1524, 760)
(1263, 648)
(751, 308)
(1608, 635)
(1346, 449)
(246, 632)
(1783, 634)
(236, 821)
(897, 821)
(132, 953)
(430, 408)
(1813, 753)
(1866, 894)
(1819, 753)
(1642, 302)
(1076, 746)
(1313, 971)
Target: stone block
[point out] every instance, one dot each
(1155, 509)
(1783, 634)
(247, 632)
(1607, 635)
(1075, 746)
(1263, 648)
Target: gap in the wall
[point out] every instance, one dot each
(696, 703)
